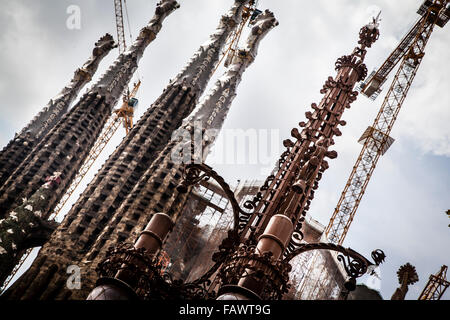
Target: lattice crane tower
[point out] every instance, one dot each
(436, 285)
(376, 140)
(119, 26)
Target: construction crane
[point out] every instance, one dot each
(118, 8)
(122, 44)
(376, 140)
(122, 115)
(436, 285)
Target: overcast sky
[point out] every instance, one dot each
(403, 210)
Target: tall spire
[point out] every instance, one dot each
(213, 111)
(291, 188)
(116, 79)
(117, 177)
(155, 191)
(22, 144)
(202, 65)
(141, 146)
(279, 209)
(66, 146)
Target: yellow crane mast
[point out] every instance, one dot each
(436, 285)
(376, 140)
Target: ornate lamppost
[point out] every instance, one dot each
(246, 271)
(260, 269)
(253, 261)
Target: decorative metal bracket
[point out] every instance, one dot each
(148, 280)
(235, 263)
(194, 173)
(354, 263)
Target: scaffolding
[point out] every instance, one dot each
(204, 223)
(316, 275)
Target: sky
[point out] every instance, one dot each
(403, 209)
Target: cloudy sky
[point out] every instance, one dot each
(403, 210)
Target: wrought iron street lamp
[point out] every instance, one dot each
(246, 271)
(253, 261)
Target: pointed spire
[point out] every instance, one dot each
(115, 80)
(18, 148)
(138, 150)
(200, 68)
(157, 124)
(59, 105)
(155, 190)
(301, 166)
(214, 109)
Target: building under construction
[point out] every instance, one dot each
(156, 222)
(206, 219)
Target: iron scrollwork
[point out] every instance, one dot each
(247, 263)
(148, 280)
(235, 260)
(354, 263)
(195, 173)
